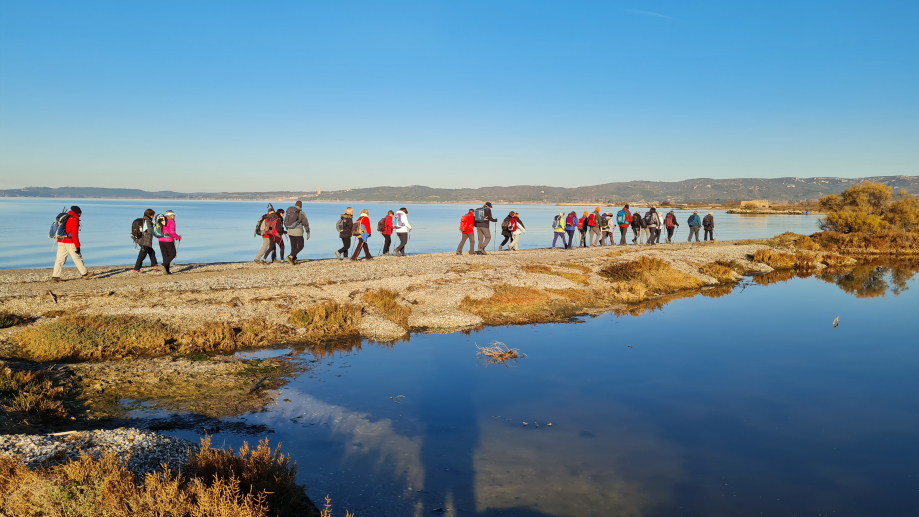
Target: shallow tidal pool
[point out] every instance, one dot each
(745, 404)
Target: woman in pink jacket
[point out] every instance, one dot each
(167, 241)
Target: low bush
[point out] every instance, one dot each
(652, 274)
(386, 301)
(216, 482)
(327, 320)
(719, 272)
(775, 259)
(93, 338)
(516, 305)
(8, 319)
(29, 398)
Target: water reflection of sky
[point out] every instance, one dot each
(742, 404)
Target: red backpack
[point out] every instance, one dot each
(512, 225)
(467, 222)
(669, 221)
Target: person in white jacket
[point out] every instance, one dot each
(401, 227)
(516, 227)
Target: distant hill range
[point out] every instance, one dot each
(699, 190)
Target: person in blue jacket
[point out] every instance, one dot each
(695, 222)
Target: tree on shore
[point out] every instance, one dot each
(869, 207)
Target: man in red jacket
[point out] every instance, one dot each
(70, 245)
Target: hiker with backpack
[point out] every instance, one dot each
(636, 227)
(593, 223)
(66, 229)
(167, 236)
(345, 225)
(297, 225)
(708, 223)
(515, 225)
(582, 228)
(142, 233)
(467, 227)
(260, 228)
(384, 226)
(274, 229)
(361, 230)
(623, 221)
(483, 219)
(505, 232)
(558, 230)
(571, 225)
(606, 231)
(401, 227)
(654, 226)
(695, 222)
(645, 229)
(670, 224)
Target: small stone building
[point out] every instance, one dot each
(755, 203)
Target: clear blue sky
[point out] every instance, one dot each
(200, 96)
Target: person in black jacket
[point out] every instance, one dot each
(708, 224)
(146, 243)
(345, 234)
(504, 231)
(636, 227)
(483, 230)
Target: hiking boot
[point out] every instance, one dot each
(338, 255)
(257, 261)
(135, 273)
(290, 258)
(499, 248)
(89, 274)
(458, 253)
(482, 252)
(472, 253)
(56, 279)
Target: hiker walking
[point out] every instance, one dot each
(384, 226)
(708, 222)
(167, 241)
(467, 227)
(68, 243)
(275, 229)
(623, 220)
(582, 228)
(593, 223)
(636, 228)
(654, 226)
(670, 224)
(144, 239)
(260, 229)
(505, 231)
(606, 231)
(401, 227)
(297, 225)
(362, 231)
(571, 224)
(345, 226)
(483, 220)
(517, 229)
(695, 222)
(558, 230)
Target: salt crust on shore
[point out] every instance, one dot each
(147, 450)
(432, 284)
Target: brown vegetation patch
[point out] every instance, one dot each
(543, 269)
(775, 259)
(327, 320)
(720, 273)
(498, 353)
(651, 274)
(516, 305)
(775, 277)
(93, 338)
(8, 319)
(386, 301)
(881, 242)
(250, 483)
(29, 398)
(580, 267)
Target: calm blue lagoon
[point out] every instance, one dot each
(223, 231)
(749, 403)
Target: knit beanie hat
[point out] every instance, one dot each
(298, 204)
(75, 209)
(585, 213)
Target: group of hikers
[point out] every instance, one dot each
(595, 229)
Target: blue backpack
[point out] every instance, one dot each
(620, 217)
(59, 226)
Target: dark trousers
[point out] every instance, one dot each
(403, 239)
(655, 235)
(345, 246)
(273, 252)
(670, 233)
(637, 232)
(168, 249)
(570, 238)
(709, 234)
(296, 245)
(583, 238)
(144, 252)
(555, 239)
(387, 240)
(361, 245)
(507, 238)
(622, 231)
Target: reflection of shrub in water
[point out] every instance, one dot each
(873, 278)
(775, 277)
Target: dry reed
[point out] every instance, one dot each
(519, 305)
(543, 269)
(328, 320)
(719, 272)
(386, 301)
(498, 353)
(30, 398)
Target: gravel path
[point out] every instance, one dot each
(146, 450)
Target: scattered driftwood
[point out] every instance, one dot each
(498, 353)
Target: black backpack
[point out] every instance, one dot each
(137, 229)
(647, 219)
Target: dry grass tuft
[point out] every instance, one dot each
(498, 353)
(719, 272)
(517, 305)
(880, 242)
(775, 259)
(580, 267)
(543, 269)
(648, 274)
(220, 482)
(833, 260)
(93, 338)
(386, 301)
(8, 319)
(29, 398)
(327, 320)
